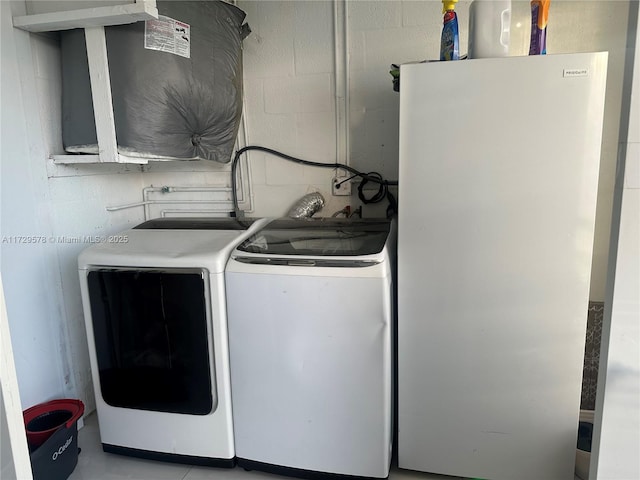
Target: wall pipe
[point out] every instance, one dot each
(165, 202)
(172, 189)
(341, 78)
(163, 213)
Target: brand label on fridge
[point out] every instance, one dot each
(575, 72)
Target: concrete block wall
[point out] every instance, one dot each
(289, 101)
(381, 34)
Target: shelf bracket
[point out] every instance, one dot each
(93, 20)
(101, 93)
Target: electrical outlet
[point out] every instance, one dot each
(341, 185)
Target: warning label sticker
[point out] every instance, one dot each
(168, 35)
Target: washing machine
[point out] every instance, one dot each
(155, 314)
(310, 308)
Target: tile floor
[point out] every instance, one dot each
(94, 464)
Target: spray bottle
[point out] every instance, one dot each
(539, 18)
(449, 48)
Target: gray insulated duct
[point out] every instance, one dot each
(306, 206)
(176, 83)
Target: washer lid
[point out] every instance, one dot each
(196, 223)
(319, 237)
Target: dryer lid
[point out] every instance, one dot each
(319, 237)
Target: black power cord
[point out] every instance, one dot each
(373, 177)
(382, 193)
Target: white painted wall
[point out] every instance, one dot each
(14, 453)
(7, 468)
(617, 419)
(26, 269)
(41, 284)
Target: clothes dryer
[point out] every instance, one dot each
(155, 313)
(310, 308)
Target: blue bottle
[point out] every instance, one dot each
(449, 45)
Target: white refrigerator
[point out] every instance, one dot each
(499, 163)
